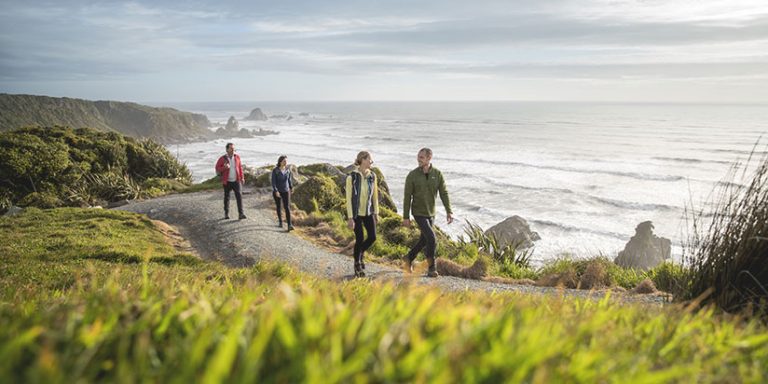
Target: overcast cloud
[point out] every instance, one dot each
(708, 51)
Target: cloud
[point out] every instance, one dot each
(348, 40)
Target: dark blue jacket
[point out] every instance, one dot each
(281, 182)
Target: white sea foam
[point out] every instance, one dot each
(583, 175)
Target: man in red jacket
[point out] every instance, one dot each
(231, 170)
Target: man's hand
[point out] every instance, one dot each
(351, 223)
(449, 218)
(226, 164)
(407, 222)
(277, 194)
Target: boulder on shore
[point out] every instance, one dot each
(514, 230)
(644, 250)
(256, 114)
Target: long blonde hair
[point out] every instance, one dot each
(361, 156)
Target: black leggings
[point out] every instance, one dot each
(427, 239)
(286, 198)
(360, 245)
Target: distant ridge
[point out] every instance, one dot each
(165, 125)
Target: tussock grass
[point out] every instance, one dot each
(727, 254)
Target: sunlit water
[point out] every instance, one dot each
(583, 175)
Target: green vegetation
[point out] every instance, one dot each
(726, 257)
(69, 317)
(320, 191)
(207, 185)
(489, 244)
(164, 125)
(67, 234)
(51, 167)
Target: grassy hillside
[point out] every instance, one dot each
(165, 125)
(121, 305)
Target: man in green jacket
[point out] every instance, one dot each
(421, 188)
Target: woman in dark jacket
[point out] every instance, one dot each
(282, 188)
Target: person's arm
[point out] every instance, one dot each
(274, 181)
(445, 199)
(220, 166)
(407, 196)
(350, 214)
(375, 197)
(239, 171)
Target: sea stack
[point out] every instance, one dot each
(644, 250)
(256, 114)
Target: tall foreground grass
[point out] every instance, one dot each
(158, 323)
(727, 257)
(97, 296)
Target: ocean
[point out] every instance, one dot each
(582, 174)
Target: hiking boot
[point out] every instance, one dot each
(358, 270)
(226, 215)
(432, 271)
(280, 224)
(241, 217)
(290, 228)
(408, 264)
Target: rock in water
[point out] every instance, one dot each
(514, 230)
(644, 250)
(256, 114)
(232, 124)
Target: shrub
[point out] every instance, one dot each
(82, 166)
(726, 254)
(668, 277)
(41, 200)
(514, 271)
(598, 270)
(323, 190)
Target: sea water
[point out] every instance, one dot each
(583, 175)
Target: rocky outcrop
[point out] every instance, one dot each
(232, 129)
(323, 182)
(257, 115)
(514, 230)
(232, 124)
(165, 125)
(644, 250)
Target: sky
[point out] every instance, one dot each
(343, 50)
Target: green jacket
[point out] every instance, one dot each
(421, 191)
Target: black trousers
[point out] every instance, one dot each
(362, 245)
(233, 186)
(286, 199)
(427, 239)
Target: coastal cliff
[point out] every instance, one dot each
(165, 125)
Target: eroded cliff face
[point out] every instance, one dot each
(165, 125)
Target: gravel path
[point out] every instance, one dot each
(240, 243)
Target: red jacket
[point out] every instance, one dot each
(224, 172)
